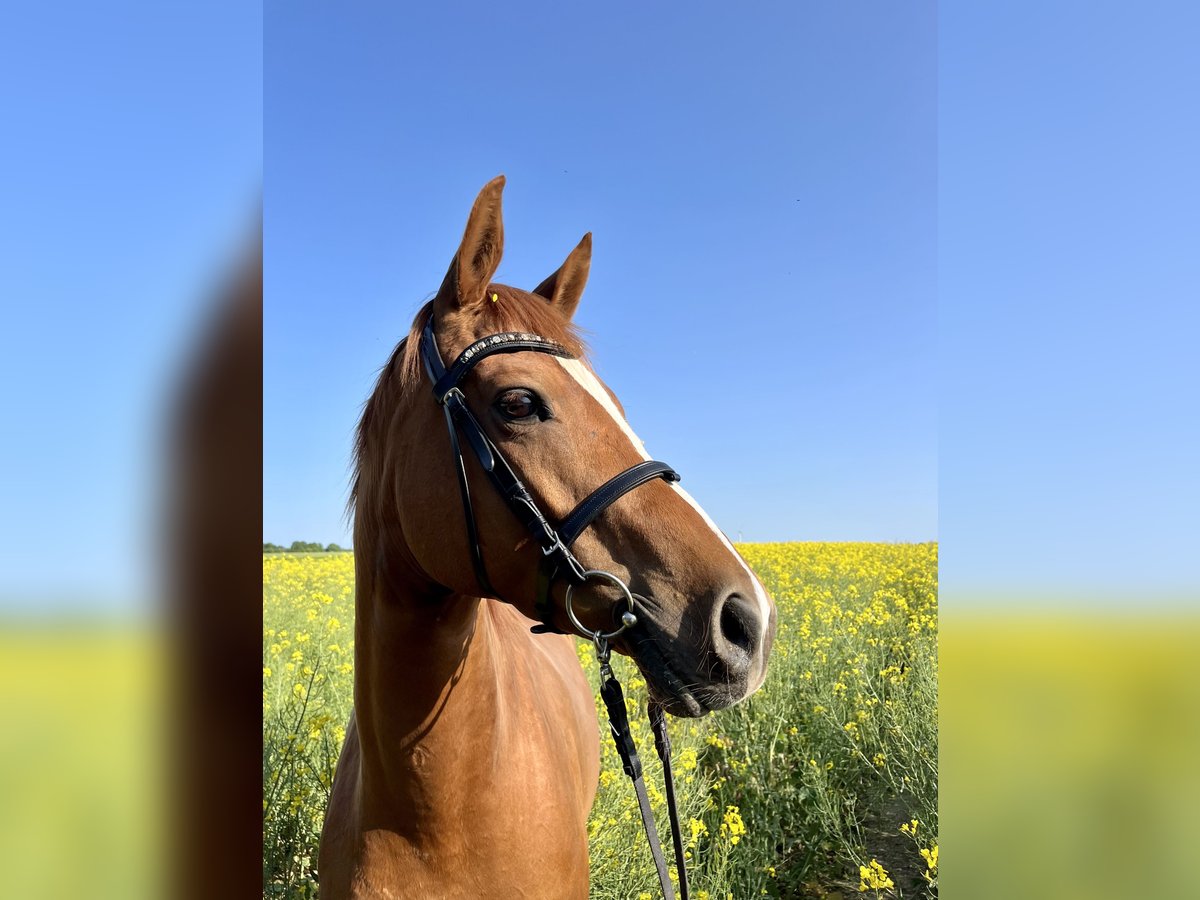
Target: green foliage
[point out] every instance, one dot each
(304, 547)
(308, 646)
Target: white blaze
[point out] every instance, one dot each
(590, 383)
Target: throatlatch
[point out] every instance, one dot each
(557, 559)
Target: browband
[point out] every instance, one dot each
(508, 342)
(557, 558)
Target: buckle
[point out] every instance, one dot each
(453, 392)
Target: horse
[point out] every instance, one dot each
(471, 757)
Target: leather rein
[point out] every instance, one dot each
(557, 560)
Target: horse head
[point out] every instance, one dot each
(705, 625)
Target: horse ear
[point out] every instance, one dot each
(564, 288)
(478, 255)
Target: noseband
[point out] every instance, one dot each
(557, 560)
(555, 542)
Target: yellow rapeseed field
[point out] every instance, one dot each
(825, 780)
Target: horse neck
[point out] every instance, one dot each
(426, 667)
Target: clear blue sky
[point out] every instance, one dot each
(129, 169)
(761, 185)
(1069, 264)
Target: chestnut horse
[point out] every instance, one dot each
(472, 755)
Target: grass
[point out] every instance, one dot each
(824, 782)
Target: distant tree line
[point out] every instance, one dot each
(303, 547)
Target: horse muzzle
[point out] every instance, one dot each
(692, 677)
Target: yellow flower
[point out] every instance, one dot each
(873, 876)
(732, 824)
(931, 860)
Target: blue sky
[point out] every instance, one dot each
(130, 164)
(1069, 283)
(761, 189)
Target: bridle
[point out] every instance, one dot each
(555, 543)
(557, 560)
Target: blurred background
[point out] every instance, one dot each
(1063, 399)
(130, 182)
(1068, 279)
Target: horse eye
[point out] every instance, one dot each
(515, 405)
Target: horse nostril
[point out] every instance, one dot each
(739, 623)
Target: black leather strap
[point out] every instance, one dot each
(608, 493)
(503, 478)
(508, 342)
(464, 490)
(618, 724)
(660, 862)
(662, 743)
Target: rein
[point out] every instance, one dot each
(557, 559)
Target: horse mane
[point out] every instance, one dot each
(404, 373)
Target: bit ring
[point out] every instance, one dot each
(628, 618)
